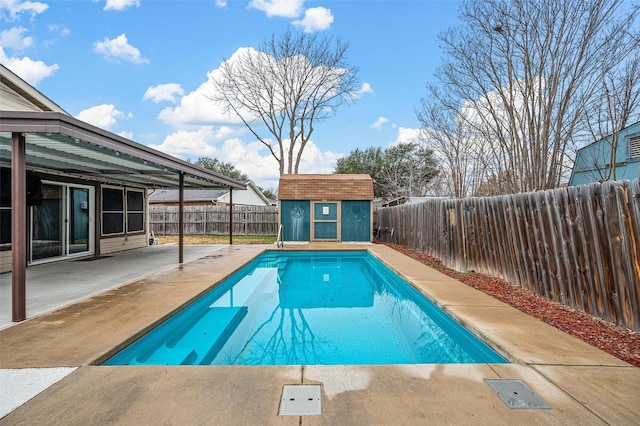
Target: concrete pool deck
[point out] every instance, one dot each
(582, 384)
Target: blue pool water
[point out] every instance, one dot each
(309, 308)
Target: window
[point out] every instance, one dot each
(112, 211)
(122, 209)
(5, 206)
(135, 211)
(634, 146)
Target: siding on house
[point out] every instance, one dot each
(593, 162)
(111, 245)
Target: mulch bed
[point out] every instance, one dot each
(620, 342)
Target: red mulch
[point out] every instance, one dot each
(620, 342)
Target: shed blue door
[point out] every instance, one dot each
(295, 218)
(356, 221)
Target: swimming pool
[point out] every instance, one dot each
(309, 308)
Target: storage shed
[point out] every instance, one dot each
(331, 207)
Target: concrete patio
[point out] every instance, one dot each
(582, 384)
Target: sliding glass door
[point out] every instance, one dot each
(61, 224)
(78, 220)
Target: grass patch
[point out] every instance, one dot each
(219, 239)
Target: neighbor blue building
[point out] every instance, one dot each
(593, 162)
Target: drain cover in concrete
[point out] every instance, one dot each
(517, 395)
(301, 400)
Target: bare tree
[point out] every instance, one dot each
(461, 154)
(407, 170)
(282, 89)
(617, 106)
(521, 74)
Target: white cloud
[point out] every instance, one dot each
(15, 7)
(257, 162)
(282, 8)
(190, 144)
(316, 161)
(128, 135)
(202, 128)
(103, 116)
(315, 19)
(63, 31)
(251, 158)
(406, 135)
(119, 5)
(365, 88)
(13, 38)
(197, 107)
(119, 49)
(221, 3)
(379, 122)
(29, 70)
(164, 92)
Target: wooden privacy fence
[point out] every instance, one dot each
(214, 220)
(579, 246)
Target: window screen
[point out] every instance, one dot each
(5, 225)
(112, 199)
(112, 211)
(135, 211)
(5, 205)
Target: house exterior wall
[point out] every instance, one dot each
(18, 95)
(99, 243)
(246, 197)
(592, 162)
(5, 261)
(11, 101)
(112, 245)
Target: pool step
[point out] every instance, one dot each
(216, 326)
(167, 356)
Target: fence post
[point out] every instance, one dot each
(164, 220)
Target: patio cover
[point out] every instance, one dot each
(54, 142)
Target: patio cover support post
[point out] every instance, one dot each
(18, 227)
(230, 215)
(181, 220)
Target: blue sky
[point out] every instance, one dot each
(138, 68)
